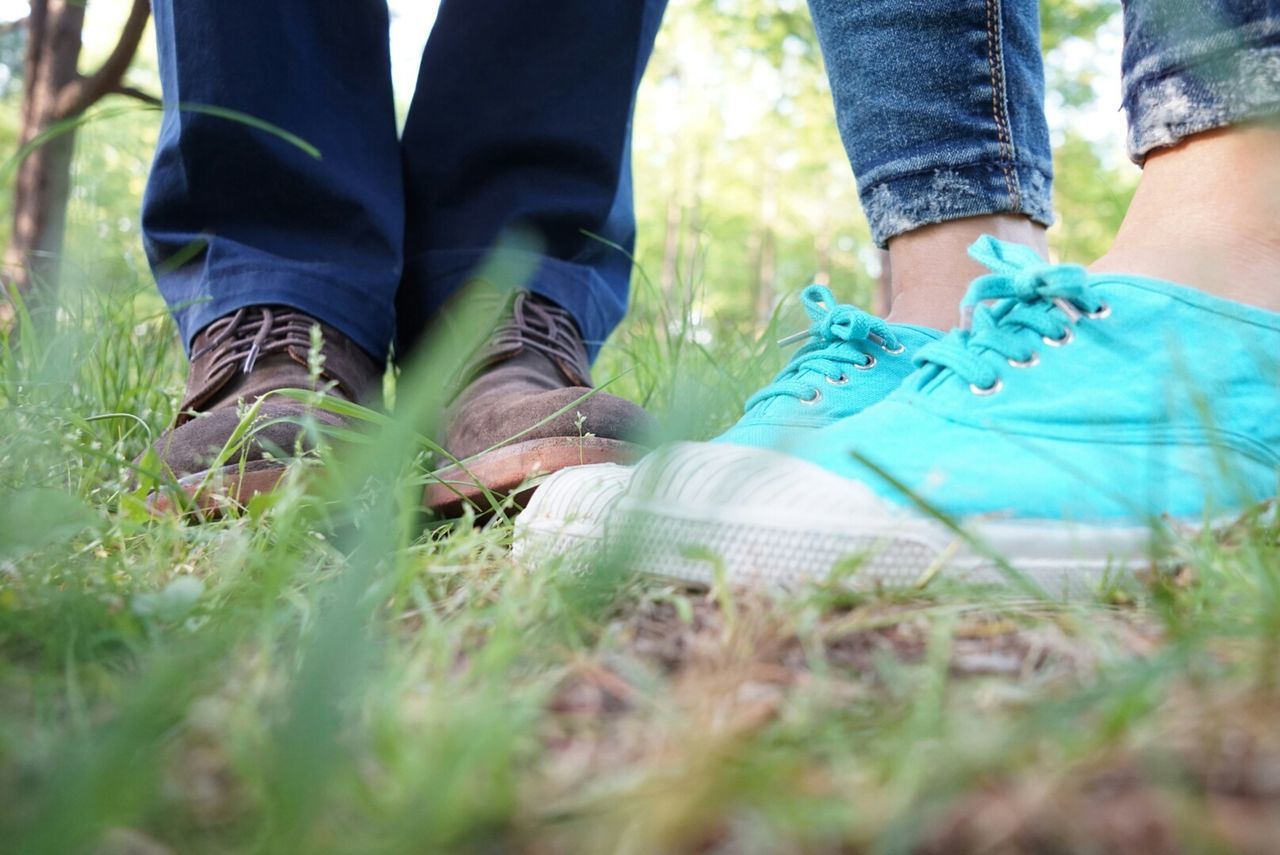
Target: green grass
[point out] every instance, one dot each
(330, 672)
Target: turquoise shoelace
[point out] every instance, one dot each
(1025, 302)
(837, 337)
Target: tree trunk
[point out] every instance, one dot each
(43, 181)
(54, 91)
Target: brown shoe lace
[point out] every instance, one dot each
(252, 332)
(537, 324)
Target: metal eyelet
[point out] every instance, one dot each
(815, 398)
(897, 350)
(838, 381)
(1104, 311)
(871, 363)
(990, 390)
(1028, 363)
(1068, 336)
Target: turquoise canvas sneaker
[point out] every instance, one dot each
(1074, 419)
(850, 360)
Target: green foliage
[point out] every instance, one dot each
(1090, 211)
(1061, 20)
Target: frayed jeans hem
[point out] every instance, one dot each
(1221, 91)
(946, 193)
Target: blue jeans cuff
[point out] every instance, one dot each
(345, 306)
(921, 198)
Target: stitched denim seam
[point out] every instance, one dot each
(995, 61)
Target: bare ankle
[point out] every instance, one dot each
(931, 268)
(1207, 215)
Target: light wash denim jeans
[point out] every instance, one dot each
(940, 103)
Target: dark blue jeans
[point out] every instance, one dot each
(521, 119)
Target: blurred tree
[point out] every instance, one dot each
(1090, 210)
(744, 190)
(55, 93)
(1067, 19)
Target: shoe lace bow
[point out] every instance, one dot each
(836, 337)
(1023, 302)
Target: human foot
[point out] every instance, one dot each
(1077, 412)
(527, 407)
(235, 361)
(850, 361)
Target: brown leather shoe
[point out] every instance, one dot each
(239, 358)
(506, 423)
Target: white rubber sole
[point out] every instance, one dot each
(786, 550)
(701, 513)
(569, 510)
